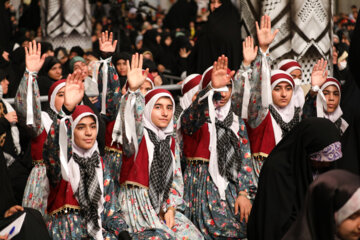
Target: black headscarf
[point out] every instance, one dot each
(121, 56)
(16, 70)
(48, 64)
(181, 14)
(150, 43)
(326, 195)
(285, 177)
(220, 35)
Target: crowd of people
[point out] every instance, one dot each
(244, 153)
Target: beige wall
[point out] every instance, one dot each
(344, 5)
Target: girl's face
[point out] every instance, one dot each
(332, 96)
(214, 4)
(282, 94)
(121, 67)
(55, 72)
(145, 87)
(5, 86)
(162, 112)
(349, 229)
(59, 99)
(85, 133)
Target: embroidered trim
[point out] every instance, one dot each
(65, 209)
(133, 184)
(328, 154)
(110, 149)
(260, 154)
(195, 159)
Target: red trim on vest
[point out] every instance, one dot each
(60, 196)
(290, 65)
(137, 171)
(197, 145)
(37, 145)
(262, 138)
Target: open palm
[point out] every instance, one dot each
(135, 74)
(319, 73)
(249, 51)
(219, 76)
(33, 59)
(106, 43)
(264, 34)
(74, 90)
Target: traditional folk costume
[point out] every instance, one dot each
(289, 65)
(151, 179)
(218, 157)
(110, 95)
(311, 148)
(267, 123)
(316, 106)
(78, 206)
(28, 104)
(330, 200)
(189, 88)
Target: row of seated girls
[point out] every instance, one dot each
(198, 170)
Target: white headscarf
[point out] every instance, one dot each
(287, 112)
(220, 114)
(289, 65)
(321, 104)
(70, 170)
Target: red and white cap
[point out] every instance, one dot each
(321, 104)
(278, 76)
(54, 89)
(330, 81)
(289, 65)
(189, 88)
(79, 113)
(190, 82)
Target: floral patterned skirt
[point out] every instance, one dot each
(37, 189)
(141, 216)
(214, 217)
(113, 161)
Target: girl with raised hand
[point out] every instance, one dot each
(272, 112)
(27, 103)
(218, 177)
(151, 180)
(324, 97)
(78, 206)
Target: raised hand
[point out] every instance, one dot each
(106, 43)
(74, 90)
(249, 51)
(135, 75)
(183, 53)
(319, 73)
(33, 59)
(220, 77)
(264, 34)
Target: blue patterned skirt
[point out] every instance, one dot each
(215, 218)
